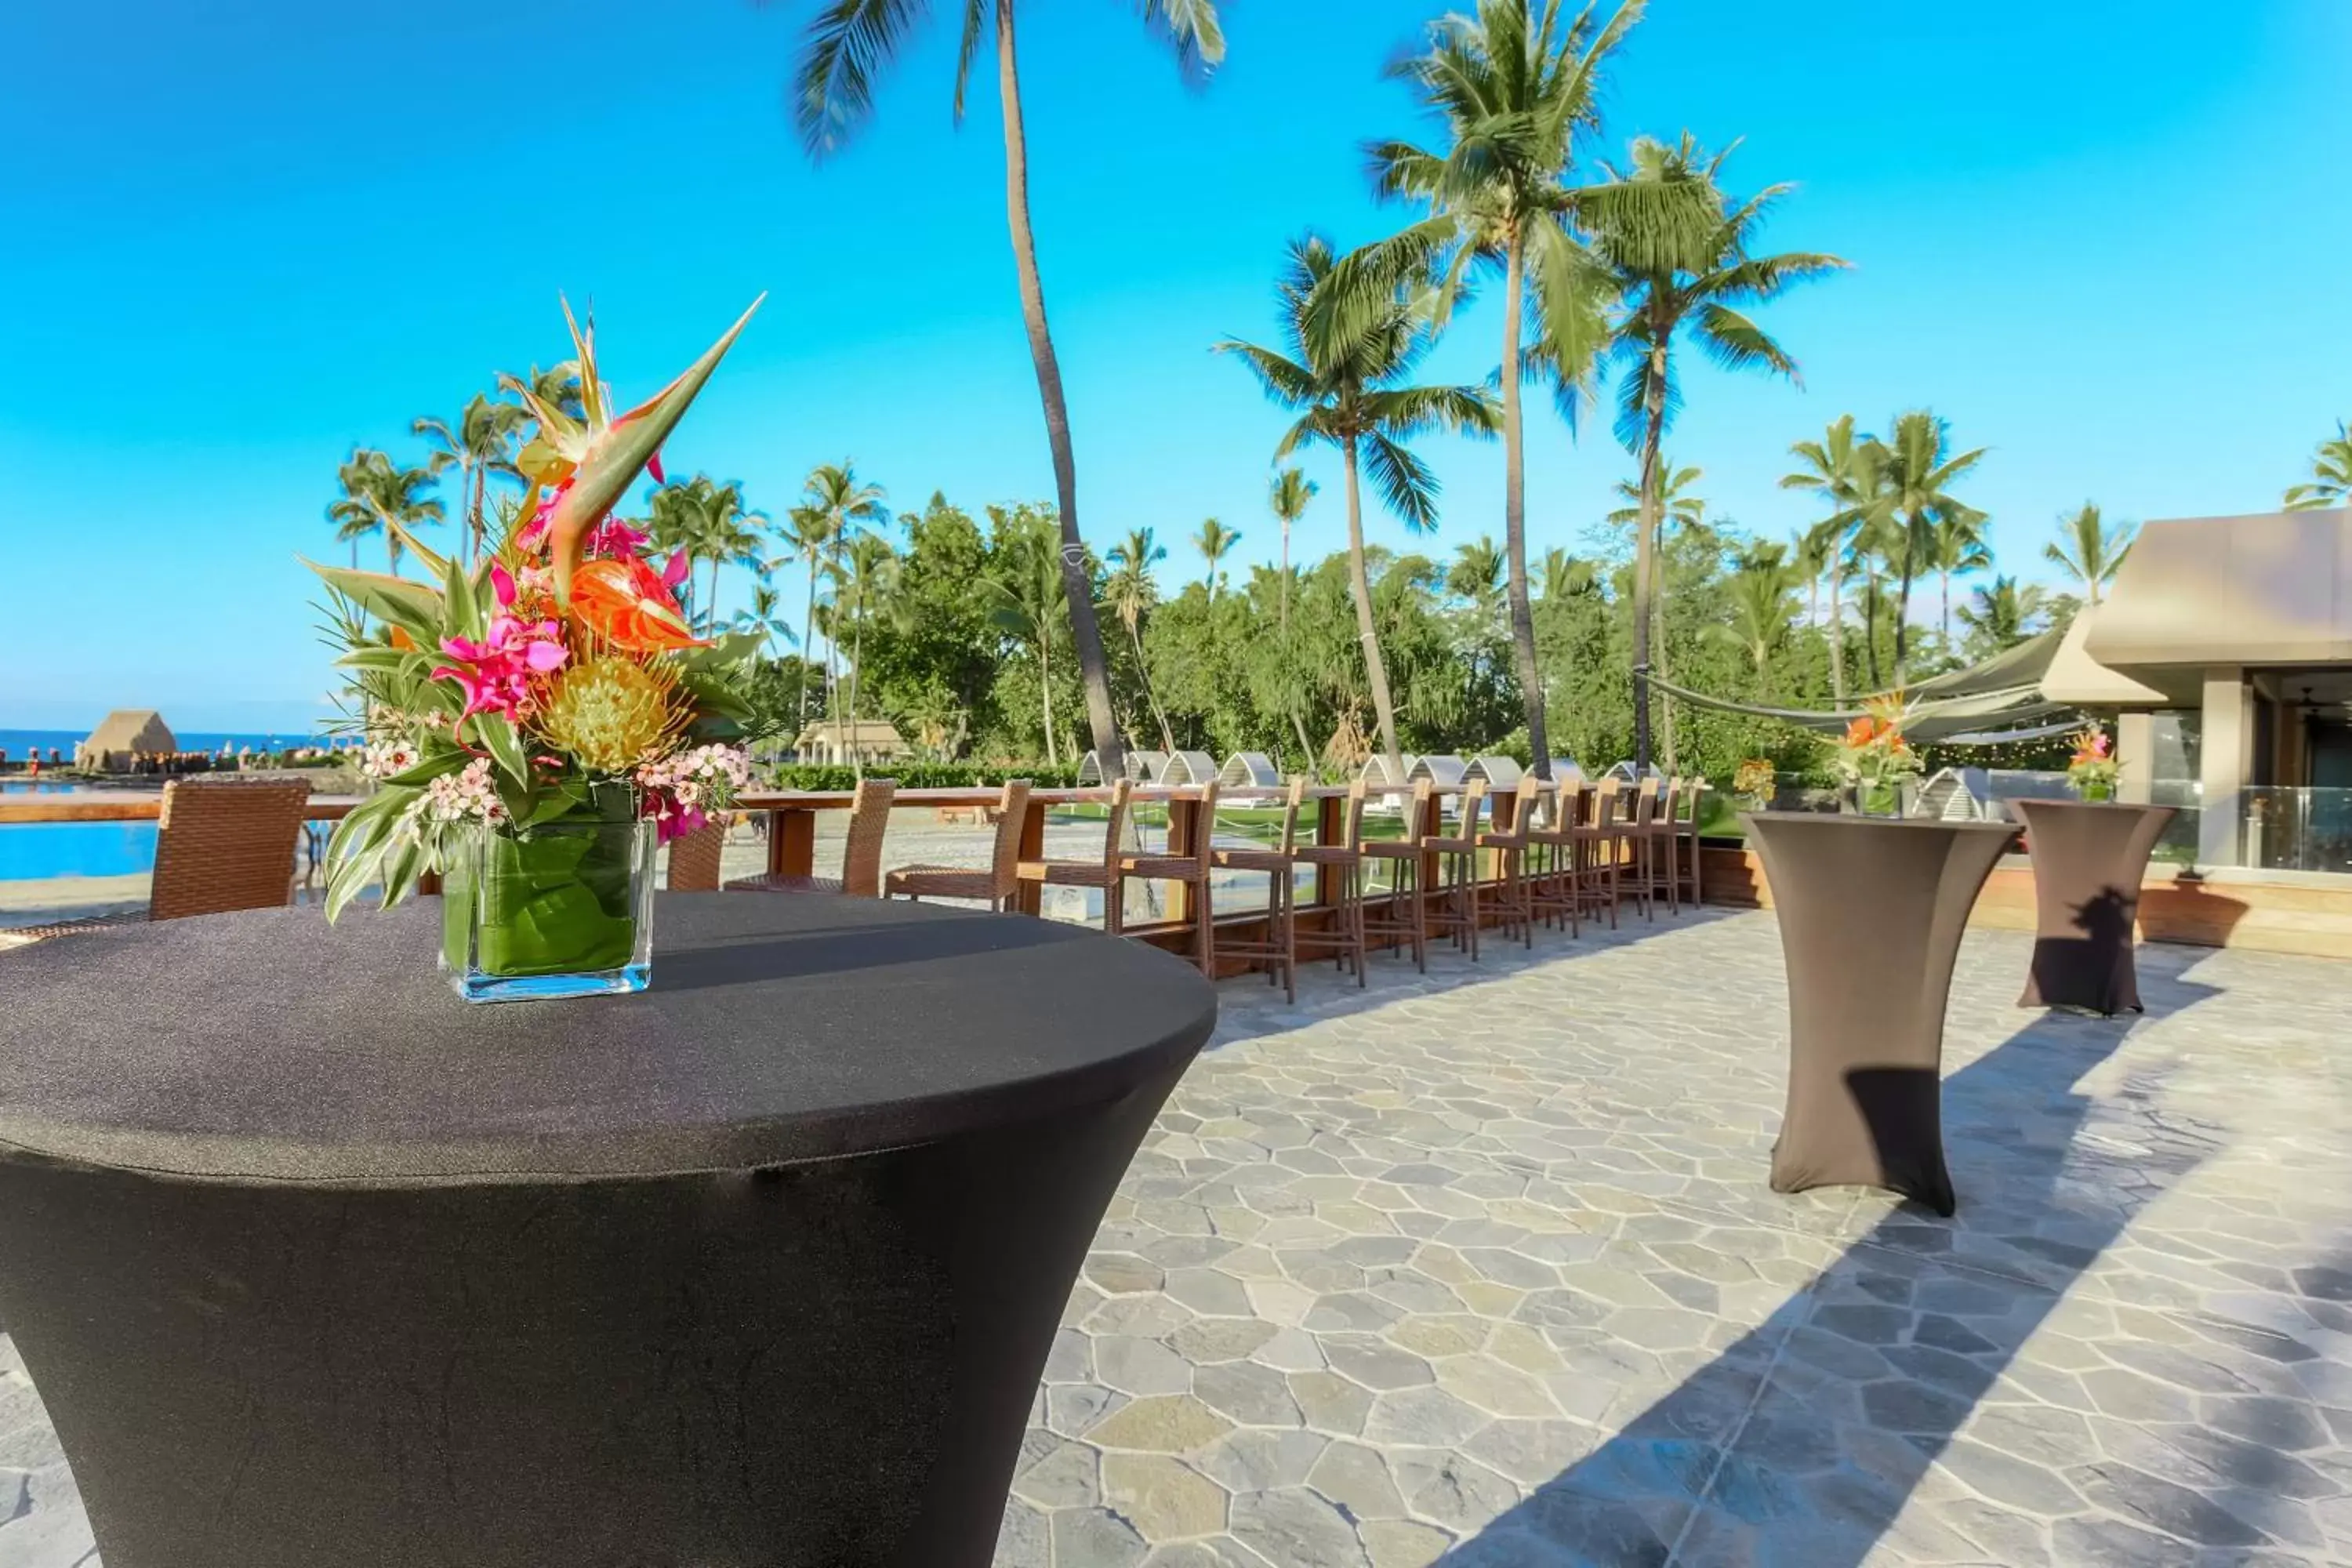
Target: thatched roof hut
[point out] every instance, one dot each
(123, 734)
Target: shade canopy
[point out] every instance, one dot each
(2271, 588)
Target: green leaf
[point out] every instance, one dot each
(415, 608)
(504, 745)
(431, 768)
(390, 660)
(464, 603)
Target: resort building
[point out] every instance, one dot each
(841, 742)
(2225, 644)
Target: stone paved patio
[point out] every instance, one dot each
(1481, 1270)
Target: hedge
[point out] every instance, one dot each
(917, 775)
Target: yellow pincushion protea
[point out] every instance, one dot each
(614, 713)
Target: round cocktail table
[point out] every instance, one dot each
(314, 1264)
(2089, 859)
(1871, 913)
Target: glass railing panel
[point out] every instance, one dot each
(2291, 829)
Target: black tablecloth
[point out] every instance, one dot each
(314, 1264)
(2089, 859)
(1870, 914)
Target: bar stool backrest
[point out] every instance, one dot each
(1204, 828)
(694, 857)
(869, 820)
(1645, 804)
(1351, 823)
(1523, 802)
(1417, 824)
(1116, 828)
(1568, 802)
(1608, 803)
(226, 844)
(1291, 801)
(1011, 812)
(1696, 789)
(1474, 801)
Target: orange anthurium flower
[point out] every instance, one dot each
(1862, 731)
(625, 603)
(402, 640)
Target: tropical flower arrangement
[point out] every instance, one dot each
(1875, 757)
(2094, 767)
(538, 721)
(1755, 780)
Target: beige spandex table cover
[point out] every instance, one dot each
(1871, 913)
(2089, 859)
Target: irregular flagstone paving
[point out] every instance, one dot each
(1481, 1269)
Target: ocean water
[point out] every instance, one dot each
(18, 742)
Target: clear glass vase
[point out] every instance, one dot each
(560, 909)
(1873, 799)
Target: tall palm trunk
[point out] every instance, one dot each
(1945, 588)
(710, 608)
(1837, 631)
(1869, 630)
(1514, 511)
(1359, 578)
(1903, 603)
(1645, 548)
(1143, 673)
(808, 639)
(856, 661)
(1045, 690)
(1084, 631)
(1284, 587)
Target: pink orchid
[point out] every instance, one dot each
(674, 574)
(502, 665)
(614, 537)
(672, 820)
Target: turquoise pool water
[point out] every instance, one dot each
(31, 850)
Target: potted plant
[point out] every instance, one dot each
(2091, 771)
(1756, 781)
(539, 723)
(1874, 758)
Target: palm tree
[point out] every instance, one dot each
(1476, 577)
(2001, 617)
(763, 616)
(1027, 604)
(1763, 601)
(864, 574)
(2330, 484)
(1350, 388)
(832, 506)
(1130, 592)
(1957, 548)
(380, 496)
(2088, 551)
(1290, 495)
(707, 520)
(1564, 575)
(1679, 249)
(1834, 471)
(1513, 91)
(1914, 468)
(848, 46)
(481, 444)
(1677, 503)
(1214, 541)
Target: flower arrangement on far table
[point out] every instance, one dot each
(536, 723)
(1874, 758)
(2094, 768)
(1756, 781)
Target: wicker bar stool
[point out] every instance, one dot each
(693, 858)
(1405, 916)
(1101, 874)
(1344, 940)
(1277, 952)
(993, 885)
(1511, 847)
(1456, 908)
(861, 862)
(1642, 839)
(1600, 841)
(1686, 832)
(220, 845)
(1190, 869)
(1555, 893)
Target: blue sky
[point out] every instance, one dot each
(242, 235)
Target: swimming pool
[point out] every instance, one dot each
(30, 850)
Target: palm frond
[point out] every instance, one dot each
(1191, 29)
(1734, 341)
(1284, 380)
(975, 23)
(1404, 482)
(847, 44)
